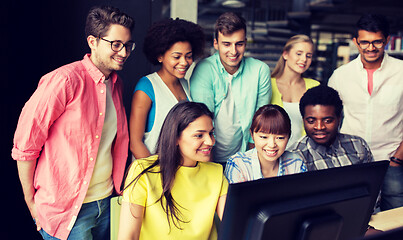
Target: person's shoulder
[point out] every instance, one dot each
(352, 65)
(68, 69)
(210, 61)
(299, 145)
(144, 82)
(310, 83)
(64, 74)
(145, 162)
(290, 155)
(293, 161)
(242, 156)
(205, 69)
(395, 61)
(250, 61)
(349, 137)
(359, 145)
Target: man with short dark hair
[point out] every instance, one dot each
(371, 88)
(323, 146)
(232, 86)
(71, 141)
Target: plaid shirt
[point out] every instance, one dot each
(345, 150)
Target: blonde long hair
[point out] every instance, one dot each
(279, 69)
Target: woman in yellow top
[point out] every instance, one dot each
(287, 82)
(175, 194)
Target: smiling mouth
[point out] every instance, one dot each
(120, 61)
(181, 70)
(320, 135)
(233, 58)
(270, 153)
(205, 151)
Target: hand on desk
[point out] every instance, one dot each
(372, 231)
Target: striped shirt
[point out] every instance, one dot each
(245, 166)
(345, 150)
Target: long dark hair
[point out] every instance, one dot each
(169, 155)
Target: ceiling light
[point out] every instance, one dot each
(233, 4)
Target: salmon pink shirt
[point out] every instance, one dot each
(61, 126)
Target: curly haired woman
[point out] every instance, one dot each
(173, 44)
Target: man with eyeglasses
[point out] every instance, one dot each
(371, 87)
(71, 142)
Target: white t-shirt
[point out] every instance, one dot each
(101, 184)
(292, 109)
(228, 130)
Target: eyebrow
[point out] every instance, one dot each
(381, 39)
(302, 51)
(243, 41)
(130, 41)
(181, 53)
(205, 130)
(327, 117)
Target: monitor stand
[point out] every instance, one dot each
(326, 227)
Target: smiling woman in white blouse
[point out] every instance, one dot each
(288, 84)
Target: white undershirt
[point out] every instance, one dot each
(297, 124)
(101, 184)
(228, 130)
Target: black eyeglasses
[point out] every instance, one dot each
(365, 44)
(117, 46)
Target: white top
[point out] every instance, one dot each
(164, 101)
(228, 130)
(292, 109)
(101, 184)
(378, 118)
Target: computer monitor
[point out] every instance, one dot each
(329, 204)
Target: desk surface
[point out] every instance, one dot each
(387, 220)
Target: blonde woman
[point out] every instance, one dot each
(288, 85)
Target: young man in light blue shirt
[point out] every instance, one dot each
(231, 85)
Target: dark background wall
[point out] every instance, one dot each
(37, 37)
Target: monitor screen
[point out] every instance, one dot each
(335, 203)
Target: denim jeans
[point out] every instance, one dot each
(392, 189)
(93, 222)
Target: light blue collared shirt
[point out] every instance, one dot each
(250, 88)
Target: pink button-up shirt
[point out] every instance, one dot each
(61, 126)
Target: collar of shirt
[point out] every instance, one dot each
(95, 73)
(324, 150)
(257, 169)
(222, 68)
(384, 61)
